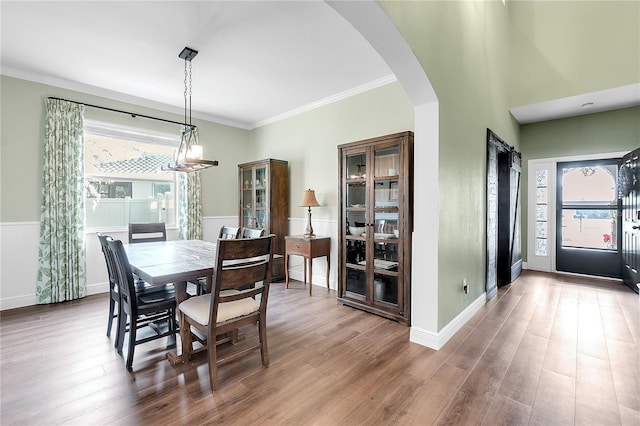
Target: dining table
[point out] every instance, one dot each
(177, 262)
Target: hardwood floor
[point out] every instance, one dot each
(548, 350)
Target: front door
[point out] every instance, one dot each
(587, 223)
(628, 188)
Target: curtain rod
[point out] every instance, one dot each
(132, 114)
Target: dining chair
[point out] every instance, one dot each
(226, 233)
(114, 296)
(229, 233)
(252, 233)
(222, 312)
(153, 309)
(147, 232)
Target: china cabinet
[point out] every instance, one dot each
(376, 220)
(264, 203)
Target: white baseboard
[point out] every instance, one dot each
(17, 302)
(438, 340)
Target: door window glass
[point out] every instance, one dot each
(589, 206)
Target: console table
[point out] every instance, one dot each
(308, 248)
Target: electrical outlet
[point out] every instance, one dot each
(465, 287)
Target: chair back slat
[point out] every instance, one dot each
(252, 233)
(234, 278)
(147, 232)
(229, 233)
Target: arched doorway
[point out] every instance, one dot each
(373, 23)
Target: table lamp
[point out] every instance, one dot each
(309, 201)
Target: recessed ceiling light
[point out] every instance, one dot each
(587, 105)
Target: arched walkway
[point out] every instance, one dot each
(373, 23)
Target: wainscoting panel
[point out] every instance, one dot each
(19, 256)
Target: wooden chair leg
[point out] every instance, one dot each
(133, 326)
(264, 351)
(121, 330)
(213, 365)
(112, 315)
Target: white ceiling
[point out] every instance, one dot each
(258, 60)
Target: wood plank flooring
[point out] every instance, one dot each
(548, 350)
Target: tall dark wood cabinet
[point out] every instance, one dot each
(264, 203)
(375, 225)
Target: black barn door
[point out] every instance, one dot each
(628, 188)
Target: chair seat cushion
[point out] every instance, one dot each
(197, 308)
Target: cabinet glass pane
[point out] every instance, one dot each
(385, 288)
(261, 198)
(356, 252)
(356, 166)
(355, 223)
(261, 177)
(247, 199)
(261, 219)
(386, 225)
(387, 162)
(356, 281)
(356, 195)
(247, 218)
(386, 193)
(247, 179)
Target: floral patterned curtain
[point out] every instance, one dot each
(62, 253)
(190, 206)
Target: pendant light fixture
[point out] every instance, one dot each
(188, 157)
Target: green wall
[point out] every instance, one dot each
(613, 131)
(22, 119)
(309, 141)
(463, 48)
(566, 48)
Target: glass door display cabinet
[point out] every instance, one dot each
(376, 206)
(264, 203)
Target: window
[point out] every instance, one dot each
(123, 178)
(542, 204)
(589, 204)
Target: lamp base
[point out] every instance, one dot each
(308, 233)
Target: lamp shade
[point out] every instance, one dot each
(309, 199)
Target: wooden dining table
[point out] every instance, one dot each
(176, 262)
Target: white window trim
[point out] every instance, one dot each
(138, 134)
(548, 263)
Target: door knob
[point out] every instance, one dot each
(635, 227)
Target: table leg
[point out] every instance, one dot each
(286, 270)
(328, 269)
(304, 260)
(181, 295)
(310, 274)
